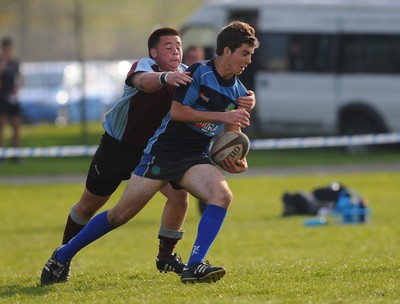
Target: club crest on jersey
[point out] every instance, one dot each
(207, 127)
(230, 107)
(204, 97)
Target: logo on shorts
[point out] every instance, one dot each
(97, 169)
(155, 170)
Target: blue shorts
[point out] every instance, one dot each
(155, 168)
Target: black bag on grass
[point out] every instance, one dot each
(302, 203)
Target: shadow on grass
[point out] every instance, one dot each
(12, 290)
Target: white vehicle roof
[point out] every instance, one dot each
(345, 3)
(369, 16)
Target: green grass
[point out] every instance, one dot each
(45, 135)
(48, 135)
(269, 259)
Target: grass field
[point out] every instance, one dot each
(269, 259)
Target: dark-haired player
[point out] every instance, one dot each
(176, 155)
(128, 126)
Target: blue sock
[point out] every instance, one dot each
(209, 226)
(97, 227)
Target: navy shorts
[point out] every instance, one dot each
(10, 109)
(112, 163)
(155, 168)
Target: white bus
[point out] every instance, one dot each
(324, 67)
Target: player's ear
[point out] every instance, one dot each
(153, 53)
(227, 50)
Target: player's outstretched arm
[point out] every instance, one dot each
(150, 82)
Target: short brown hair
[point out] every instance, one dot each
(7, 41)
(154, 37)
(234, 35)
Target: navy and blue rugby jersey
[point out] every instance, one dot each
(175, 140)
(137, 115)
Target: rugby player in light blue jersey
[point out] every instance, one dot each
(128, 126)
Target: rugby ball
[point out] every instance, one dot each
(231, 144)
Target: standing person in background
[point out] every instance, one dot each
(193, 53)
(10, 82)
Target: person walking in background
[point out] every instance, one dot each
(10, 82)
(177, 155)
(193, 53)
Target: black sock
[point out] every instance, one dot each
(71, 229)
(166, 246)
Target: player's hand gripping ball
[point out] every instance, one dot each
(231, 144)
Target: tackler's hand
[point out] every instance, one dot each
(178, 78)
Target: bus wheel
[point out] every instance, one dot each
(358, 124)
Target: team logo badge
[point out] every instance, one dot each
(204, 97)
(155, 170)
(230, 107)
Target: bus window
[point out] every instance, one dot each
(372, 54)
(311, 53)
(272, 52)
(297, 52)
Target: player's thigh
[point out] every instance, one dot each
(207, 183)
(137, 194)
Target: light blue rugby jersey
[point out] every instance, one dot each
(207, 92)
(116, 119)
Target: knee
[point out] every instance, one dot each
(227, 198)
(85, 211)
(179, 199)
(89, 205)
(184, 201)
(222, 198)
(116, 219)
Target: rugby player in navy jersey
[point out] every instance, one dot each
(177, 155)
